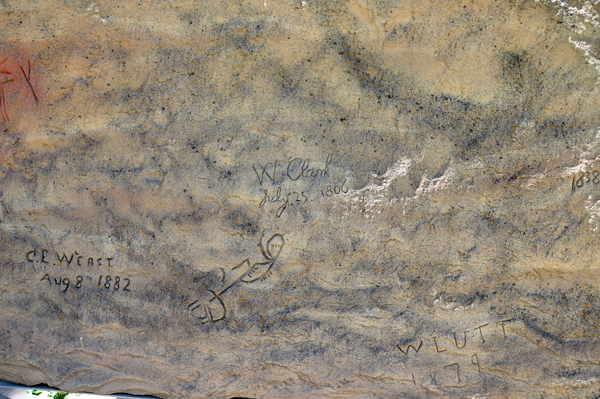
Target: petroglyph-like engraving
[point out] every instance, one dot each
(215, 309)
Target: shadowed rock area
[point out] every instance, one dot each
(296, 199)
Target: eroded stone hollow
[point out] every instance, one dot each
(300, 198)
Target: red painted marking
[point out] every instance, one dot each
(18, 85)
(27, 77)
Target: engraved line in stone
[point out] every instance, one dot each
(410, 346)
(457, 369)
(259, 270)
(456, 341)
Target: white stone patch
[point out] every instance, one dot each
(576, 19)
(593, 208)
(91, 8)
(371, 198)
(430, 185)
(587, 50)
(476, 164)
(586, 382)
(585, 161)
(582, 166)
(464, 307)
(535, 179)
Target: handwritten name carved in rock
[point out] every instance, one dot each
(293, 170)
(44, 256)
(459, 342)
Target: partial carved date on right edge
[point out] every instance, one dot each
(582, 178)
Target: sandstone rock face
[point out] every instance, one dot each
(298, 199)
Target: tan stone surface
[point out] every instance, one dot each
(292, 193)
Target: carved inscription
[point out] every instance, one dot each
(42, 259)
(63, 282)
(416, 349)
(458, 342)
(294, 170)
(450, 374)
(582, 178)
(47, 257)
(446, 375)
(295, 198)
(277, 197)
(286, 180)
(336, 189)
(215, 309)
(115, 283)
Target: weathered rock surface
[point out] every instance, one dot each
(301, 198)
